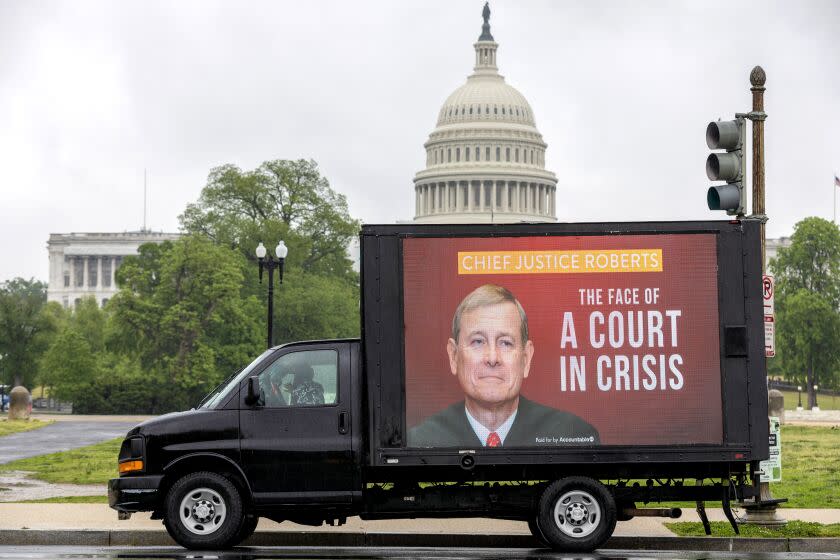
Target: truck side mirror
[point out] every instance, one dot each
(253, 394)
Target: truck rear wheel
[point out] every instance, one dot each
(576, 514)
(534, 527)
(203, 511)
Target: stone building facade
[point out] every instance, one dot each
(485, 160)
(84, 264)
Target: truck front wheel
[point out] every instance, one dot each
(576, 514)
(203, 511)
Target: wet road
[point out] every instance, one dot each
(254, 553)
(60, 436)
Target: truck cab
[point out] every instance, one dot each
(284, 432)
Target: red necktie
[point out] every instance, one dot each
(493, 440)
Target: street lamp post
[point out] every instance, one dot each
(799, 395)
(816, 406)
(268, 263)
(2, 388)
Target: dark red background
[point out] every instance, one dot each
(433, 289)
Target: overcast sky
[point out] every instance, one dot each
(91, 93)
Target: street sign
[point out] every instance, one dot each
(769, 336)
(768, 291)
(771, 469)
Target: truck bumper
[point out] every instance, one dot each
(135, 493)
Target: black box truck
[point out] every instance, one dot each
(558, 374)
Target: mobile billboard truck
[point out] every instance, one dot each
(559, 374)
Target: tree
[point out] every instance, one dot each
(812, 262)
(808, 304)
(287, 200)
(70, 367)
(182, 315)
(281, 199)
(809, 331)
(23, 329)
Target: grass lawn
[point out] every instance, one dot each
(810, 473)
(825, 402)
(9, 427)
(94, 464)
(793, 529)
(103, 499)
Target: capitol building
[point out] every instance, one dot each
(485, 159)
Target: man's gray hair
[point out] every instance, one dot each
(483, 296)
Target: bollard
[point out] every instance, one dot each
(20, 404)
(776, 404)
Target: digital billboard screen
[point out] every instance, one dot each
(562, 341)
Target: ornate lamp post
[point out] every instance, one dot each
(816, 406)
(266, 262)
(799, 395)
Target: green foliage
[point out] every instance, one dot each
(93, 464)
(812, 262)
(69, 366)
(281, 199)
(24, 330)
(182, 319)
(191, 311)
(808, 305)
(312, 307)
(809, 331)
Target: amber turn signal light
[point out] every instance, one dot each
(131, 466)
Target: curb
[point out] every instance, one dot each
(318, 539)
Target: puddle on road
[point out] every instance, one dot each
(16, 486)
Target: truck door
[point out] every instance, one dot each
(296, 442)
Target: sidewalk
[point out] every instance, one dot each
(97, 525)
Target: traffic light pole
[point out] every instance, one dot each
(758, 116)
(764, 514)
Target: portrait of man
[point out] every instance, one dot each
(490, 353)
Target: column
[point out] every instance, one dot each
(85, 273)
(469, 196)
(113, 271)
(493, 196)
(541, 196)
(552, 200)
(99, 272)
(505, 196)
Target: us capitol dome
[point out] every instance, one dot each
(485, 159)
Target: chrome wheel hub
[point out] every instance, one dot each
(203, 511)
(577, 514)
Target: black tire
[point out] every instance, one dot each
(576, 514)
(249, 525)
(203, 511)
(537, 532)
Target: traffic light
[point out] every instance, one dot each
(729, 166)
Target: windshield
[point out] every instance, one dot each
(220, 393)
